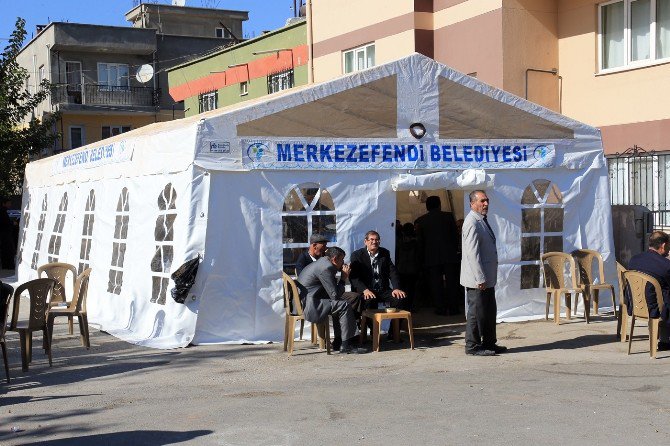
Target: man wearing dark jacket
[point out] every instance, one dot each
(371, 273)
(437, 237)
(655, 262)
(317, 246)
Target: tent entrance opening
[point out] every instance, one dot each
(428, 248)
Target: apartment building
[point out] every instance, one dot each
(93, 68)
(604, 63)
(270, 63)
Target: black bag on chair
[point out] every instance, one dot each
(184, 278)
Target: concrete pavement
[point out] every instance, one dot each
(567, 384)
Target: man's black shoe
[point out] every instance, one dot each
(663, 346)
(480, 352)
(336, 344)
(348, 350)
(498, 349)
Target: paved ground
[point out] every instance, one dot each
(567, 384)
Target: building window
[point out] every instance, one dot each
(25, 222)
(244, 88)
(77, 137)
(113, 76)
(57, 233)
(223, 33)
(113, 130)
(359, 58)
(541, 228)
(633, 33)
(164, 237)
(43, 73)
(119, 243)
(40, 232)
(87, 232)
(280, 81)
(208, 101)
(308, 209)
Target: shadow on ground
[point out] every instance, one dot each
(128, 438)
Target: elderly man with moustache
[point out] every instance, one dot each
(371, 273)
(479, 274)
(317, 246)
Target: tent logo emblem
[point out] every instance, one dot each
(256, 151)
(540, 152)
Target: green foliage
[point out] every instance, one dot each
(20, 139)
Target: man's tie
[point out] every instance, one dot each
(486, 220)
(376, 280)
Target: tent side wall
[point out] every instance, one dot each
(242, 296)
(133, 222)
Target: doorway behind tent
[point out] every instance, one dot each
(410, 205)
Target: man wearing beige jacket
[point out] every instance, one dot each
(479, 273)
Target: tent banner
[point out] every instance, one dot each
(355, 155)
(117, 152)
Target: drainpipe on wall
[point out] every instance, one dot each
(310, 44)
(553, 71)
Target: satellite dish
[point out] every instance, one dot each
(178, 2)
(144, 73)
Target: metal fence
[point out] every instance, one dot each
(638, 177)
(98, 94)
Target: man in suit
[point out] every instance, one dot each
(371, 272)
(655, 262)
(317, 246)
(324, 295)
(437, 237)
(479, 274)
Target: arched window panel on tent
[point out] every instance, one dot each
(308, 209)
(40, 232)
(87, 232)
(57, 233)
(25, 221)
(161, 262)
(115, 282)
(541, 228)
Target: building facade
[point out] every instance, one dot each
(600, 62)
(93, 69)
(272, 62)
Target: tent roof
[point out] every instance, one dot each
(381, 102)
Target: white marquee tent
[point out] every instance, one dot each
(245, 186)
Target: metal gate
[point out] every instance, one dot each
(641, 178)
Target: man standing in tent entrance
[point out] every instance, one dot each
(324, 295)
(437, 237)
(479, 273)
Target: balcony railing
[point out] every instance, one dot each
(98, 94)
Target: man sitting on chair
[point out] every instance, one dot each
(317, 246)
(324, 295)
(371, 272)
(655, 262)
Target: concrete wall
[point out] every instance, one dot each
(468, 38)
(187, 21)
(346, 24)
(530, 41)
(93, 123)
